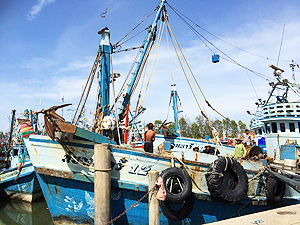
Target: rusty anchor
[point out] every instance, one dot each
(54, 122)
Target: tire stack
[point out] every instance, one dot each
(227, 180)
(179, 201)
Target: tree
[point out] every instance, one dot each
(195, 130)
(200, 124)
(184, 127)
(242, 126)
(234, 128)
(156, 125)
(219, 126)
(201, 127)
(172, 127)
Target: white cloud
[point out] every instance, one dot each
(38, 63)
(37, 8)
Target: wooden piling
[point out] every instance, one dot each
(153, 202)
(102, 184)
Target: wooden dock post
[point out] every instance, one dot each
(153, 202)
(102, 184)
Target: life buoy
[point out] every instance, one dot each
(228, 180)
(178, 184)
(274, 190)
(177, 214)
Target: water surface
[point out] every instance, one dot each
(14, 212)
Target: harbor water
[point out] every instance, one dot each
(19, 212)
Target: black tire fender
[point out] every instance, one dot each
(178, 184)
(233, 185)
(275, 190)
(255, 151)
(176, 215)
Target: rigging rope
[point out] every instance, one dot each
(113, 86)
(115, 45)
(90, 79)
(169, 55)
(161, 29)
(197, 25)
(119, 45)
(252, 85)
(229, 58)
(192, 77)
(280, 45)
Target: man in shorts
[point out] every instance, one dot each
(149, 138)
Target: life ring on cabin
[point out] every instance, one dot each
(178, 184)
(227, 180)
(177, 214)
(274, 190)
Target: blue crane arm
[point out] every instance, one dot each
(141, 59)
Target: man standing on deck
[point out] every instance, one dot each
(247, 138)
(149, 138)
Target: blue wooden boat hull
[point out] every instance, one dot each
(25, 188)
(68, 187)
(72, 201)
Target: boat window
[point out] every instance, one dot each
(274, 127)
(15, 152)
(292, 127)
(267, 128)
(259, 131)
(299, 126)
(282, 127)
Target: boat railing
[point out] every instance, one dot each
(281, 110)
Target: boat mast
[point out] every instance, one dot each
(104, 61)
(174, 97)
(151, 36)
(277, 73)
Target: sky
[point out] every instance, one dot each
(48, 48)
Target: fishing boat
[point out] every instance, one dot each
(276, 124)
(18, 179)
(200, 187)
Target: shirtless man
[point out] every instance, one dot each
(149, 138)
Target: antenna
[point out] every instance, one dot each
(293, 65)
(280, 45)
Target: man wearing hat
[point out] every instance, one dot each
(240, 150)
(206, 149)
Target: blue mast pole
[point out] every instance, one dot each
(105, 51)
(174, 97)
(142, 56)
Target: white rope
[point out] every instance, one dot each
(115, 103)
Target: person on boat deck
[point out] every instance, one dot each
(196, 149)
(239, 150)
(206, 149)
(210, 150)
(247, 140)
(149, 138)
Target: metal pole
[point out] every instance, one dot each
(153, 202)
(102, 184)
